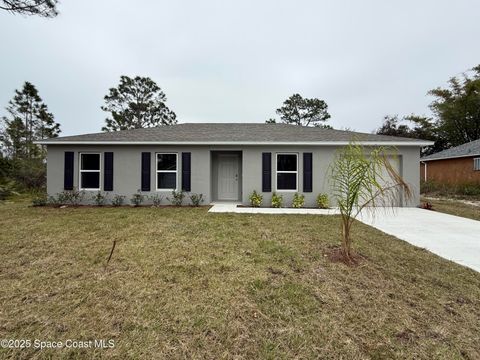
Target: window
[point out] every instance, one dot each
(476, 164)
(90, 171)
(167, 171)
(287, 172)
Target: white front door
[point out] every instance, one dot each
(228, 177)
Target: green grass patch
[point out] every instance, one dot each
(185, 283)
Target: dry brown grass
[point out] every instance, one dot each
(184, 283)
(455, 207)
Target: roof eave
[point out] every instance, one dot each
(289, 143)
(450, 157)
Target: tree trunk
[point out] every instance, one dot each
(346, 241)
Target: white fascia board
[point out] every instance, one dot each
(237, 143)
(450, 157)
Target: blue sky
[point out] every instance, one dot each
(231, 61)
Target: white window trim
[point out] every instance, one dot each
(80, 171)
(476, 164)
(166, 171)
(285, 172)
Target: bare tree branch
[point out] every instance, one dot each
(44, 8)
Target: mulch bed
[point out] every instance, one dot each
(122, 206)
(283, 207)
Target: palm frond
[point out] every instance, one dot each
(364, 178)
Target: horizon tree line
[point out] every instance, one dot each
(138, 102)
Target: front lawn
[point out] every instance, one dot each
(184, 283)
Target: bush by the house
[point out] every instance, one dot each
(137, 199)
(156, 200)
(100, 198)
(177, 198)
(322, 201)
(69, 197)
(196, 199)
(40, 200)
(53, 201)
(426, 206)
(255, 199)
(277, 200)
(298, 200)
(118, 200)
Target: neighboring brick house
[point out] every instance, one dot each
(454, 166)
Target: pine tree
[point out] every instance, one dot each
(297, 110)
(28, 120)
(136, 103)
(12, 138)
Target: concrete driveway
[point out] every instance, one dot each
(451, 237)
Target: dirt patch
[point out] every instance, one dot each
(407, 336)
(271, 207)
(335, 254)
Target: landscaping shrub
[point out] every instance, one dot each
(298, 200)
(76, 196)
(322, 201)
(177, 197)
(156, 200)
(100, 198)
(255, 199)
(277, 200)
(54, 201)
(196, 199)
(426, 206)
(69, 197)
(137, 199)
(118, 200)
(40, 200)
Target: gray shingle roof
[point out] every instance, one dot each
(230, 132)
(469, 149)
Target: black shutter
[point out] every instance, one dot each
(68, 171)
(266, 172)
(108, 171)
(307, 172)
(186, 171)
(146, 170)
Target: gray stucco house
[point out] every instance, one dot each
(224, 162)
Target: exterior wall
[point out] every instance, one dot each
(451, 171)
(322, 157)
(127, 169)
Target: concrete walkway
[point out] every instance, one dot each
(451, 237)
